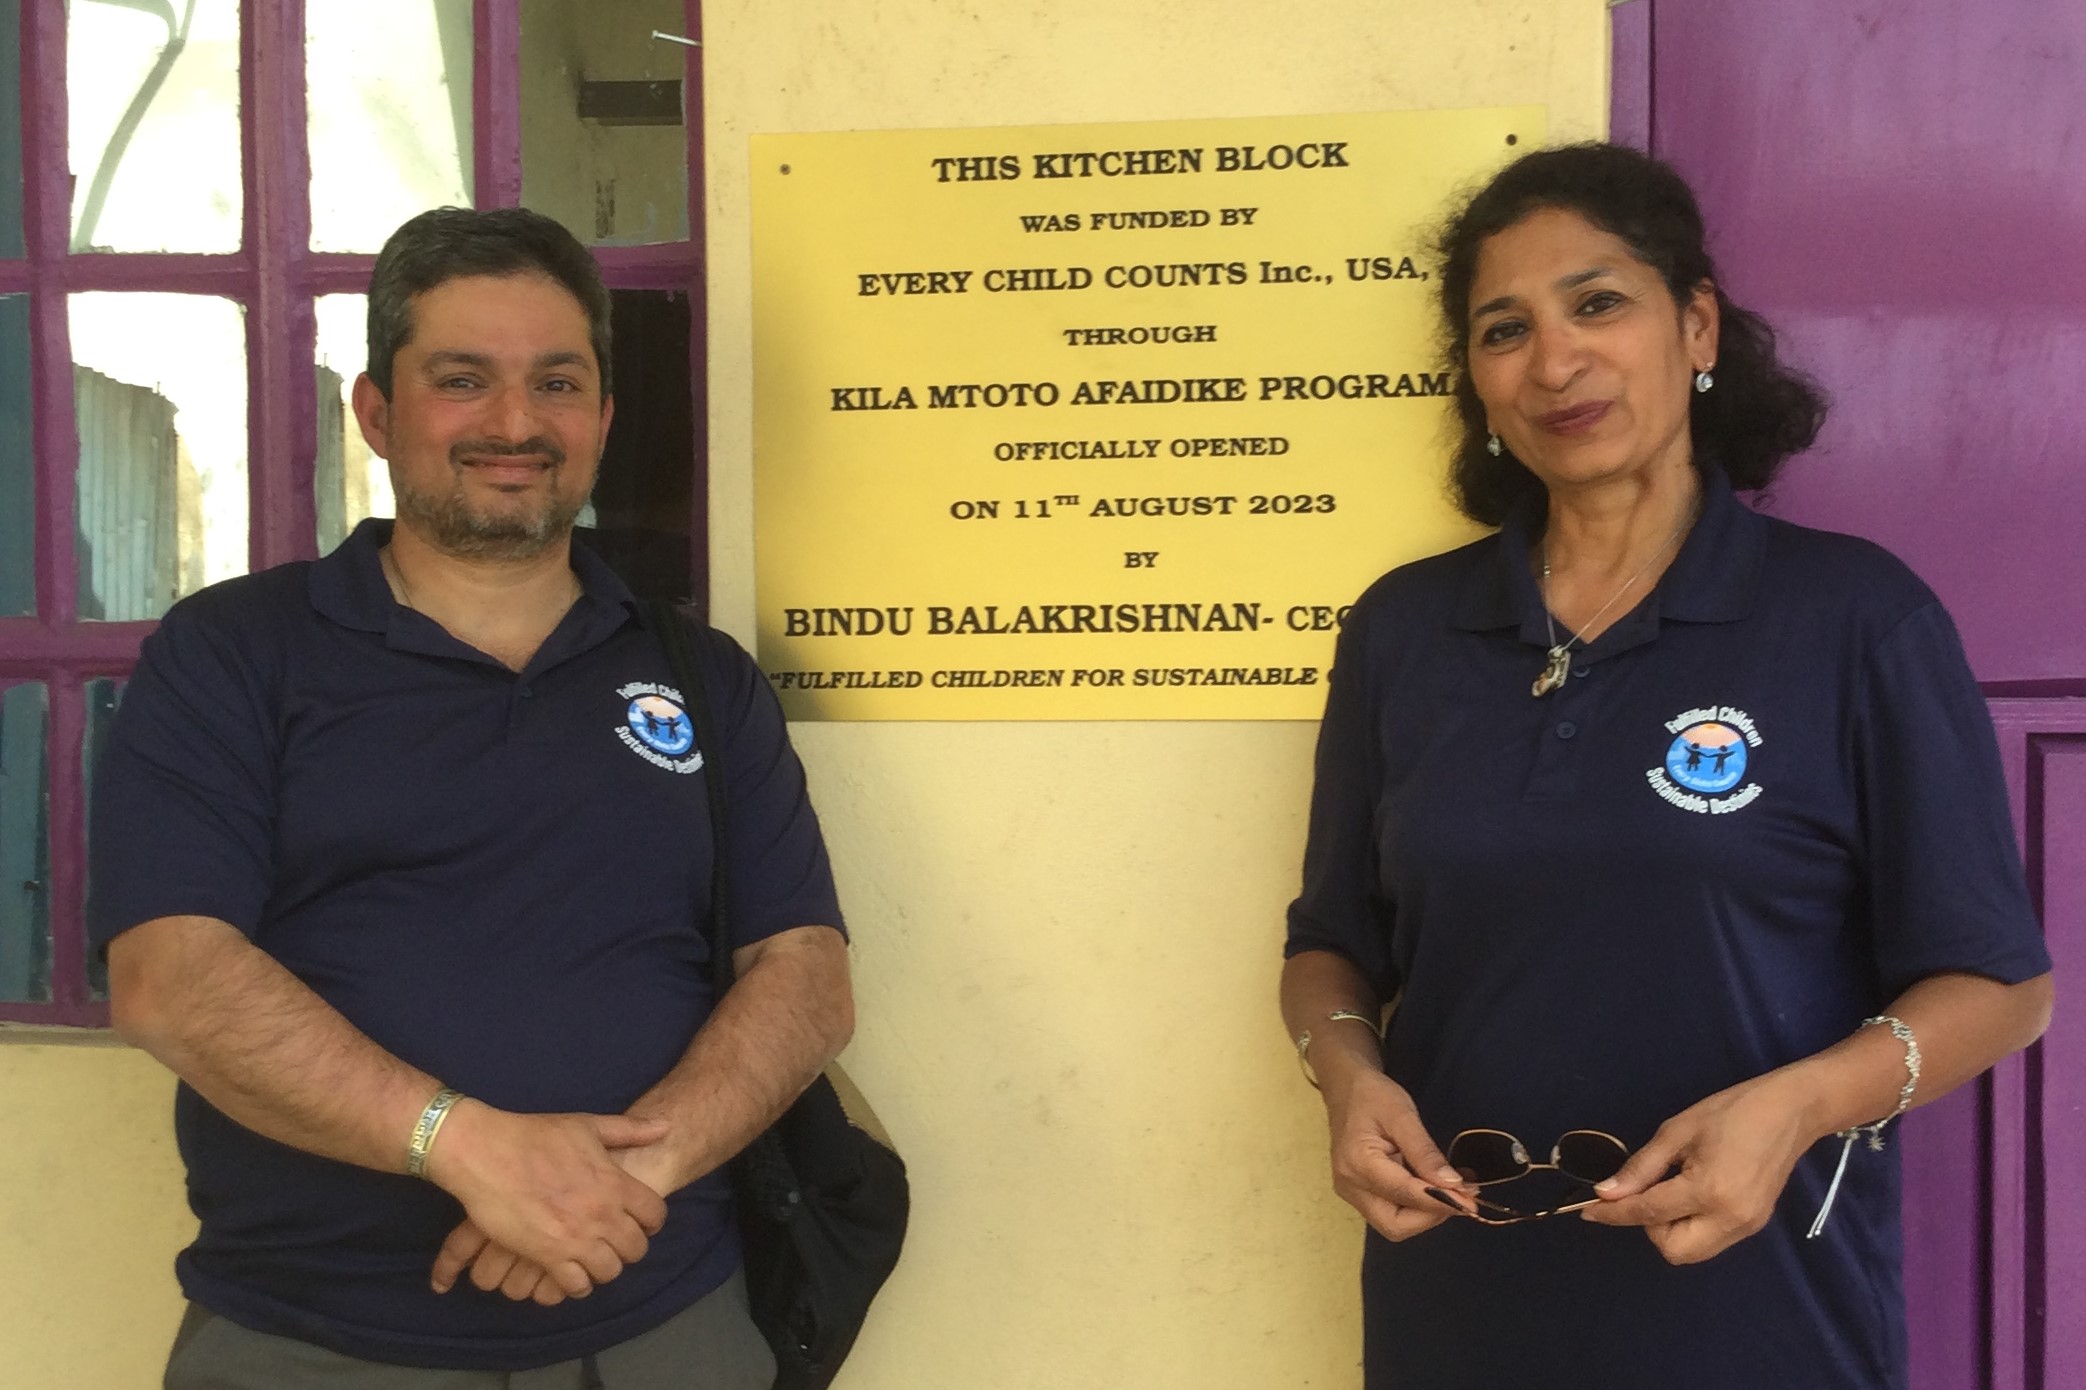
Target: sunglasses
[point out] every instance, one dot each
(1487, 1157)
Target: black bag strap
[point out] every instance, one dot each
(671, 623)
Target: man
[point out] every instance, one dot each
(420, 819)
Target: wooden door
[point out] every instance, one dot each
(1900, 186)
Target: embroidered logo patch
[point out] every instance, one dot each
(657, 728)
(1704, 770)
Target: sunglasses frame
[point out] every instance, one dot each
(1511, 1216)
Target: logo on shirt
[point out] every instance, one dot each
(1704, 770)
(657, 728)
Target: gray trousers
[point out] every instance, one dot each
(712, 1345)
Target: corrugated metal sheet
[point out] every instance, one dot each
(132, 501)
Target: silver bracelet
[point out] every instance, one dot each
(430, 1124)
(1902, 1031)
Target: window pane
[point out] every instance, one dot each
(620, 174)
(645, 496)
(17, 463)
(25, 846)
(388, 86)
(160, 381)
(153, 96)
(10, 128)
(351, 482)
(104, 693)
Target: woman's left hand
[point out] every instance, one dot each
(1734, 1152)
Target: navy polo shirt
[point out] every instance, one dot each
(499, 877)
(1766, 802)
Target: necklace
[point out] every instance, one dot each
(404, 595)
(398, 577)
(1559, 667)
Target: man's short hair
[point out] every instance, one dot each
(444, 244)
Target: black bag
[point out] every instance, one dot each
(822, 1205)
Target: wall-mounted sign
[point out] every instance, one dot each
(1096, 422)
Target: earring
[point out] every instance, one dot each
(1492, 445)
(1703, 381)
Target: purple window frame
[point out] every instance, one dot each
(277, 277)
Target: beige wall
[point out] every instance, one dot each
(91, 1213)
(1066, 933)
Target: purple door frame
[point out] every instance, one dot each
(275, 275)
(1901, 189)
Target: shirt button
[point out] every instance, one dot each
(526, 692)
(1582, 671)
(1567, 729)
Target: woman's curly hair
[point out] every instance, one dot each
(1760, 411)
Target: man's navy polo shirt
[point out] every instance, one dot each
(1767, 801)
(499, 877)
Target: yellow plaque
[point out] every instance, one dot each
(1096, 422)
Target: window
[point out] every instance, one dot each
(191, 197)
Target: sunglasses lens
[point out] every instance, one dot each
(1590, 1156)
(1486, 1155)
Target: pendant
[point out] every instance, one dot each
(1554, 674)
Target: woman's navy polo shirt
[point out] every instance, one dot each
(499, 877)
(1767, 801)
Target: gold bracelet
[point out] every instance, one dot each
(430, 1124)
(1304, 1039)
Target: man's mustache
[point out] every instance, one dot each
(538, 447)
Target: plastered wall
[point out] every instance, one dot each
(91, 1213)
(1067, 933)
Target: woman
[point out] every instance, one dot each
(1638, 809)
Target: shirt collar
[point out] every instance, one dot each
(348, 586)
(1712, 580)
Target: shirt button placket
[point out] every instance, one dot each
(1555, 775)
(518, 704)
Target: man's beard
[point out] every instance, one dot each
(452, 524)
